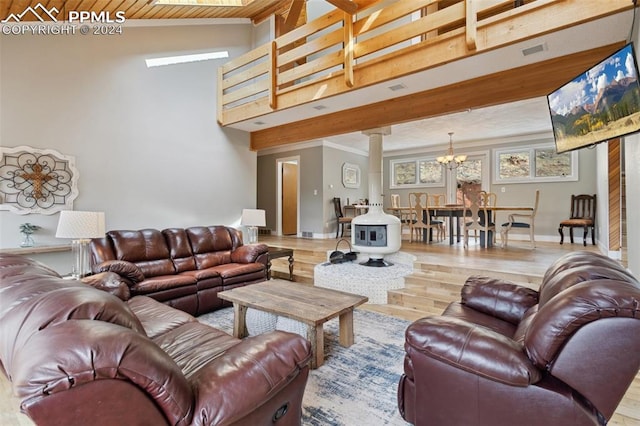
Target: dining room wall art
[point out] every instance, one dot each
(350, 175)
(37, 180)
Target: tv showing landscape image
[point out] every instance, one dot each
(600, 104)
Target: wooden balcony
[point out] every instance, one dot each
(338, 52)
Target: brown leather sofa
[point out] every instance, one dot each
(76, 355)
(510, 355)
(184, 268)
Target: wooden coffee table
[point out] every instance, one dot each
(311, 305)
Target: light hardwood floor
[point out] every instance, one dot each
(517, 259)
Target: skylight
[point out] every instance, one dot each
(181, 59)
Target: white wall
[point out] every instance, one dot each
(147, 145)
(602, 200)
(632, 168)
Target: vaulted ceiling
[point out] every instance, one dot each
(256, 10)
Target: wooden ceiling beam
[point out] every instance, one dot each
(293, 17)
(346, 5)
(511, 85)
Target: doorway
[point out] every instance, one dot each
(288, 196)
(474, 173)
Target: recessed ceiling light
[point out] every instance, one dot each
(399, 86)
(181, 59)
(319, 107)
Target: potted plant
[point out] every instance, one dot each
(26, 229)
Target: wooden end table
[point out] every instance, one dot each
(311, 305)
(276, 252)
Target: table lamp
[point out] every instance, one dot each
(252, 218)
(81, 226)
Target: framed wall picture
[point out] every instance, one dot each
(351, 175)
(37, 180)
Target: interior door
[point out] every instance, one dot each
(289, 199)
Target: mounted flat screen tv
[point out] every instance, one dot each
(600, 104)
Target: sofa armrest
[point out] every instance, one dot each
(499, 298)
(472, 348)
(111, 283)
(75, 354)
(249, 253)
(123, 268)
(265, 364)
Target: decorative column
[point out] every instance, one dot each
(375, 162)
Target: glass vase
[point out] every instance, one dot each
(27, 241)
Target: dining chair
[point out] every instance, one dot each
(342, 220)
(489, 199)
(521, 221)
(401, 214)
(475, 218)
(438, 200)
(583, 215)
(420, 219)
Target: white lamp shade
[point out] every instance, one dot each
(253, 217)
(79, 224)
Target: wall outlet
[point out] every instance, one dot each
(503, 189)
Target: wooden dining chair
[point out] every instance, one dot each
(583, 215)
(438, 200)
(475, 218)
(403, 215)
(524, 221)
(420, 216)
(342, 220)
(489, 199)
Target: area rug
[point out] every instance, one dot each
(356, 385)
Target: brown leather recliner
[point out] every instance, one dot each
(506, 354)
(76, 355)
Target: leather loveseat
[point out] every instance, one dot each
(76, 355)
(509, 355)
(184, 268)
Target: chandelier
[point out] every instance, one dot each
(450, 160)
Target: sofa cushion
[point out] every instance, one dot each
(17, 290)
(66, 303)
(156, 317)
(12, 265)
(502, 299)
(179, 249)
(230, 270)
(211, 245)
(585, 302)
(460, 311)
(193, 344)
(163, 282)
(572, 276)
(146, 248)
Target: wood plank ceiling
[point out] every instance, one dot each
(256, 10)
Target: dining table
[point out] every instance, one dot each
(456, 211)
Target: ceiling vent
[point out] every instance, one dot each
(319, 107)
(397, 87)
(534, 49)
(259, 123)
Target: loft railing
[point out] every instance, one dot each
(339, 52)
